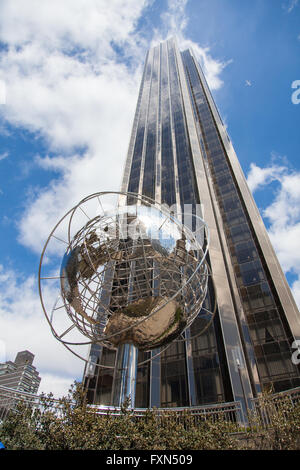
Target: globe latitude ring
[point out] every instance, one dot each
(154, 272)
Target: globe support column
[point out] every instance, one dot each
(126, 374)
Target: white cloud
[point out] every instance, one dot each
(2, 93)
(175, 18)
(24, 326)
(3, 156)
(83, 100)
(289, 5)
(258, 177)
(174, 23)
(65, 101)
(283, 215)
(55, 384)
(296, 291)
(55, 24)
(62, 74)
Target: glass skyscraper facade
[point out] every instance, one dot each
(180, 154)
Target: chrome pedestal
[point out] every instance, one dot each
(125, 375)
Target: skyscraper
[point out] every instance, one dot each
(180, 154)
(21, 374)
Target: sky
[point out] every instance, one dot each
(69, 80)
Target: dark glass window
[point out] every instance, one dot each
(174, 377)
(250, 273)
(142, 382)
(240, 233)
(245, 251)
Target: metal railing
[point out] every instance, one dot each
(9, 398)
(266, 407)
(229, 412)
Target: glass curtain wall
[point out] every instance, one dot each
(161, 165)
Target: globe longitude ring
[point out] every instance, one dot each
(131, 272)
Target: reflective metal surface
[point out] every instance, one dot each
(160, 278)
(132, 280)
(125, 375)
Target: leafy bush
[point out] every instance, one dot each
(75, 425)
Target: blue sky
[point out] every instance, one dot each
(69, 78)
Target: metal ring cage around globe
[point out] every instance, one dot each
(131, 272)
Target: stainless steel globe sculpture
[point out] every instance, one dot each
(131, 274)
